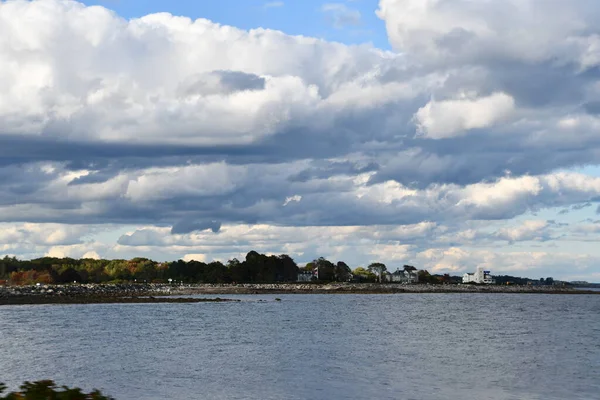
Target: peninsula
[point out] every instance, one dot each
(66, 281)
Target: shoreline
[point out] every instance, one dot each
(366, 288)
(96, 294)
(39, 300)
(164, 293)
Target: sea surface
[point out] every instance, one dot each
(406, 346)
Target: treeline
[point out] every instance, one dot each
(258, 268)
(514, 280)
(255, 268)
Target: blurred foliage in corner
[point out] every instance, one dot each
(47, 390)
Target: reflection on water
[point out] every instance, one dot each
(411, 346)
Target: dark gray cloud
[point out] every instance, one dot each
(187, 226)
(592, 107)
(221, 82)
(581, 206)
(322, 170)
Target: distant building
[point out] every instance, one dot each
(480, 276)
(407, 275)
(305, 276)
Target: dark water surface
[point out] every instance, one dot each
(409, 346)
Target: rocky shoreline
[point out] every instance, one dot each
(366, 288)
(95, 294)
(165, 293)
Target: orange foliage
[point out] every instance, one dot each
(30, 277)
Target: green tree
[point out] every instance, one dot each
(325, 269)
(143, 269)
(343, 273)
(378, 269)
(93, 270)
(237, 271)
(288, 269)
(426, 277)
(48, 390)
(309, 267)
(364, 275)
(4, 268)
(118, 270)
(68, 275)
(216, 272)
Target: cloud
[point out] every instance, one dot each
(42, 234)
(194, 257)
(452, 248)
(186, 226)
(295, 198)
(438, 248)
(274, 4)
(91, 255)
(480, 113)
(256, 107)
(449, 118)
(341, 15)
(199, 195)
(517, 30)
(529, 230)
(456, 260)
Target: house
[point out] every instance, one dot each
(305, 276)
(480, 276)
(408, 275)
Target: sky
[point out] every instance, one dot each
(441, 134)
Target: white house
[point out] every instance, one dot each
(305, 276)
(480, 276)
(408, 275)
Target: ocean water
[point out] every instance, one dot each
(408, 346)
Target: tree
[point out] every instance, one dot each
(68, 275)
(143, 269)
(378, 269)
(118, 270)
(3, 268)
(325, 269)
(362, 275)
(288, 269)
(343, 273)
(309, 267)
(258, 268)
(216, 272)
(30, 277)
(47, 390)
(426, 277)
(237, 271)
